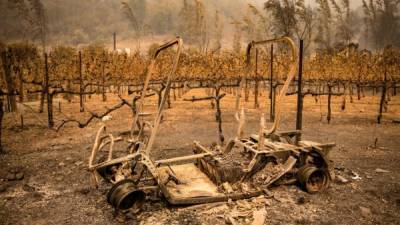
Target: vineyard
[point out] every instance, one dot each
(31, 75)
(52, 103)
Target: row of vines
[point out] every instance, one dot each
(27, 74)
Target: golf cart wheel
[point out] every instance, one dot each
(313, 179)
(124, 195)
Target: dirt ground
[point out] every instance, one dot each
(55, 188)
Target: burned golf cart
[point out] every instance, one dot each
(244, 168)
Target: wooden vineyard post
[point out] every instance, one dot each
(6, 61)
(256, 105)
(81, 87)
(115, 41)
(328, 117)
(103, 78)
(69, 98)
(271, 89)
(351, 92)
(49, 95)
(1, 121)
(246, 91)
(218, 114)
(174, 90)
(42, 96)
(21, 84)
(358, 91)
(299, 117)
(382, 101)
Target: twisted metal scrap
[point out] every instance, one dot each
(282, 94)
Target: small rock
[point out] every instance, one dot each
(28, 188)
(58, 147)
(19, 176)
(227, 187)
(355, 176)
(106, 118)
(84, 190)
(379, 170)
(3, 188)
(78, 163)
(259, 217)
(301, 200)
(339, 167)
(365, 212)
(244, 187)
(341, 180)
(61, 164)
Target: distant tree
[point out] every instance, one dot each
(136, 16)
(291, 18)
(254, 24)
(139, 8)
(192, 26)
(33, 15)
(237, 36)
(323, 38)
(128, 12)
(345, 18)
(382, 22)
(217, 32)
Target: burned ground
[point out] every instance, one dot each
(55, 188)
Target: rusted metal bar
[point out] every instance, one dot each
(291, 75)
(256, 105)
(114, 161)
(299, 117)
(81, 87)
(271, 87)
(48, 94)
(179, 43)
(201, 147)
(182, 158)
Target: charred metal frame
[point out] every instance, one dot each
(305, 159)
